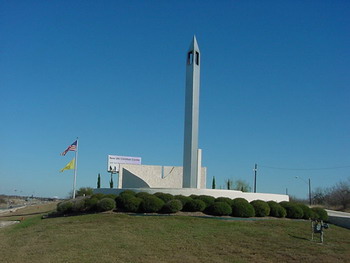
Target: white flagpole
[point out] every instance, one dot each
(75, 169)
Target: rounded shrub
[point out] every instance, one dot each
(122, 199)
(219, 209)
(164, 196)
(106, 204)
(276, 210)
(112, 196)
(172, 206)
(183, 199)
(319, 213)
(242, 208)
(307, 213)
(142, 194)
(78, 205)
(130, 192)
(208, 200)
(293, 210)
(194, 205)
(132, 204)
(91, 204)
(99, 196)
(65, 207)
(224, 199)
(261, 208)
(151, 204)
(194, 196)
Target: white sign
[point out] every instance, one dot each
(115, 160)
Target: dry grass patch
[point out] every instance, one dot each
(28, 211)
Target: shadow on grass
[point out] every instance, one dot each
(300, 238)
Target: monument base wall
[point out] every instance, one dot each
(194, 191)
(154, 176)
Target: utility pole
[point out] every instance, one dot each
(309, 183)
(310, 200)
(255, 171)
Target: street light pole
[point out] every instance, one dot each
(255, 171)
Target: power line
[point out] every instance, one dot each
(305, 169)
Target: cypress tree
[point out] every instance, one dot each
(111, 182)
(213, 186)
(99, 181)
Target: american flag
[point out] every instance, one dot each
(72, 147)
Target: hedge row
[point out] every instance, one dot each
(129, 201)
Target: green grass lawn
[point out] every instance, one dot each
(114, 237)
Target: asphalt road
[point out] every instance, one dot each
(339, 218)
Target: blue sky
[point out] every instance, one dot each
(274, 90)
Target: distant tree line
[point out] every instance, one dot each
(337, 196)
(239, 185)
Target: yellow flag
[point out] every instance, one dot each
(69, 166)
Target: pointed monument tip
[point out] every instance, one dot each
(194, 44)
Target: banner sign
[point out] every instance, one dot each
(115, 160)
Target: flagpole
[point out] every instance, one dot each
(75, 169)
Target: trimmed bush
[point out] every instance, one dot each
(227, 200)
(194, 196)
(208, 200)
(122, 199)
(261, 208)
(112, 196)
(132, 204)
(319, 213)
(242, 208)
(106, 204)
(129, 192)
(165, 197)
(194, 205)
(142, 195)
(98, 196)
(78, 205)
(183, 199)
(307, 213)
(91, 204)
(172, 206)
(276, 210)
(219, 209)
(293, 210)
(151, 204)
(65, 207)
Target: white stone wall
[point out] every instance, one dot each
(152, 176)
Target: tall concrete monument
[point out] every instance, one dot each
(191, 162)
(191, 178)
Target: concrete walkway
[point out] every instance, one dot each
(339, 218)
(7, 223)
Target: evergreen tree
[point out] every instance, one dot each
(99, 181)
(229, 184)
(111, 182)
(213, 186)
